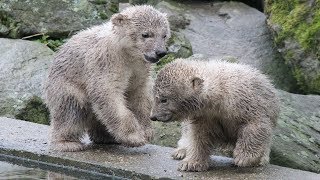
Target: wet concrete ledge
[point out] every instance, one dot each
(26, 144)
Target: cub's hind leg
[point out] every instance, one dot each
(253, 145)
(68, 123)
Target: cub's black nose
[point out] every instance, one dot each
(161, 53)
(153, 118)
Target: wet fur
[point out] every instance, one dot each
(231, 105)
(99, 82)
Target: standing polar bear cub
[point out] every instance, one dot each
(99, 81)
(222, 104)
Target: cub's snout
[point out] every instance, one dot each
(156, 56)
(164, 117)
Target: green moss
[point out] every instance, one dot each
(299, 21)
(14, 30)
(114, 7)
(53, 44)
(315, 85)
(165, 60)
(34, 111)
(13, 26)
(300, 77)
(306, 85)
(180, 48)
(293, 17)
(103, 15)
(289, 55)
(8, 107)
(307, 32)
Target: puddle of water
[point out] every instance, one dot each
(10, 171)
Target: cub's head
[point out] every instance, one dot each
(177, 93)
(143, 32)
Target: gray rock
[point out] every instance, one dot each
(231, 29)
(296, 141)
(175, 14)
(23, 67)
(56, 19)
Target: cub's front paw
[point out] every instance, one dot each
(244, 160)
(67, 146)
(191, 165)
(135, 139)
(179, 153)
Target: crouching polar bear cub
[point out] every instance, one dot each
(99, 81)
(221, 104)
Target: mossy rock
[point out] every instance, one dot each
(35, 111)
(24, 65)
(296, 30)
(58, 20)
(178, 47)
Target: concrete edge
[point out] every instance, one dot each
(67, 166)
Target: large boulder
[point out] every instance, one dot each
(296, 140)
(56, 19)
(175, 13)
(296, 30)
(230, 29)
(23, 67)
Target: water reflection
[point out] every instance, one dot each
(11, 171)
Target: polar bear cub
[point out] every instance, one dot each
(220, 104)
(99, 82)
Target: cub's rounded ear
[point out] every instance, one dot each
(119, 19)
(197, 83)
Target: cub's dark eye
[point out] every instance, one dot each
(163, 101)
(165, 36)
(145, 35)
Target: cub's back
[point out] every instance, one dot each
(242, 91)
(245, 91)
(69, 61)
